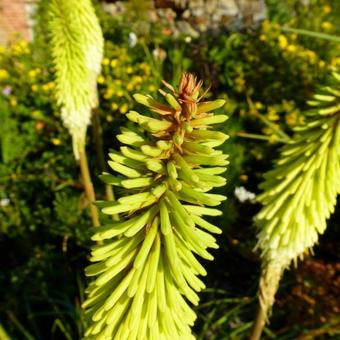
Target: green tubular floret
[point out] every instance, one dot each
(145, 271)
(300, 192)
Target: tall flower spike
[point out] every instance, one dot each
(300, 192)
(146, 269)
(77, 49)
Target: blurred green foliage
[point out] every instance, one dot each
(266, 75)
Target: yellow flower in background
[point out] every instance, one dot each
(335, 61)
(32, 73)
(137, 79)
(263, 37)
(322, 64)
(258, 106)
(56, 141)
(293, 36)
(114, 62)
(34, 88)
(46, 87)
(291, 48)
(108, 93)
(283, 42)
(100, 80)
(114, 106)
(2, 49)
(109, 118)
(129, 70)
(326, 25)
(106, 61)
(3, 74)
(265, 26)
(291, 118)
(130, 86)
(120, 93)
(272, 114)
(36, 114)
(311, 55)
(326, 9)
(13, 102)
(152, 88)
(123, 108)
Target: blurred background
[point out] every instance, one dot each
(250, 54)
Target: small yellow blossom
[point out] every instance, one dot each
(326, 25)
(311, 55)
(335, 61)
(32, 73)
(123, 108)
(283, 42)
(326, 9)
(108, 93)
(273, 139)
(120, 93)
(322, 64)
(13, 102)
(106, 61)
(291, 118)
(3, 74)
(2, 49)
(130, 86)
(152, 88)
(34, 88)
(100, 79)
(36, 114)
(137, 79)
(109, 118)
(129, 70)
(114, 62)
(56, 141)
(272, 114)
(114, 106)
(265, 26)
(45, 88)
(258, 106)
(291, 48)
(263, 37)
(293, 36)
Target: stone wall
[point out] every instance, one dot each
(194, 16)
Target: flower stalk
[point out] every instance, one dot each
(299, 194)
(145, 271)
(77, 49)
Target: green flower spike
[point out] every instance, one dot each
(77, 49)
(300, 192)
(145, 269)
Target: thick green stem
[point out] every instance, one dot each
(85, 173)
(259, 324)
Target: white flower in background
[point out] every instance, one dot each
(188, 39)
(132, 39)
(4, 202)
(243, 195)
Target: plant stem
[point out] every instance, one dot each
(98, 142)
(85, 173)
(259, 324)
